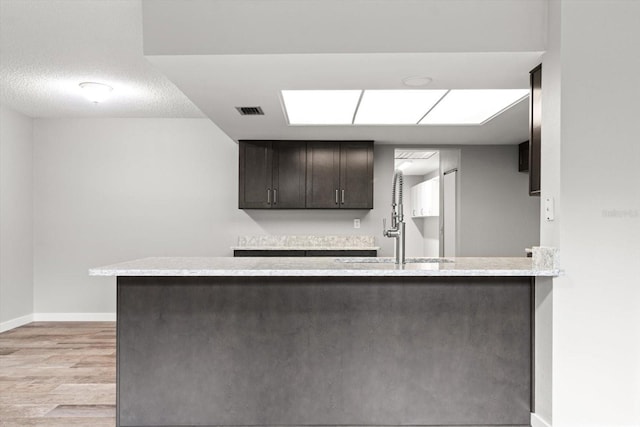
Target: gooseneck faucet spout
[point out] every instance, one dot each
(397, 218)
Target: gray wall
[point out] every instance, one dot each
(449, 159)
(16, 216)
(496, 215)
(109, 190)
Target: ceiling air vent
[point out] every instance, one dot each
(250, 111)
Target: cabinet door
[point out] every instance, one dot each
(416, 200)
(356, 175)
(323, 175)
(433, 202)
(535, 129)
(289, 174)
(413, 200)
(255, 175)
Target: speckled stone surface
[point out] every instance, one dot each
(545, 257)
(336, 267)
(290, 242)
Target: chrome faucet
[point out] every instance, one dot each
(397, 219)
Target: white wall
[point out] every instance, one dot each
(16, 217)
(313, 26)
(496, 215)
(549, 230)
(110, 190)
(596, 304)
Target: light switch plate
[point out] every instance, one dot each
(549, 209)
(356, 223)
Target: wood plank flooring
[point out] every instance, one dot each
(58, 374)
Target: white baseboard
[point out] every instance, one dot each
(14, 323)
(74, 317)
(538, 421)
(56, 317)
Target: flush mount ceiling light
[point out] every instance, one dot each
(95, 92)
(320, 107)
(473, 106)
(404, 165)
(398, 107)
(416, 81)
(395, 107)
(414, 154)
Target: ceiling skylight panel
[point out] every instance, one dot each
(320, 107)
(472, 106)
(395, 107)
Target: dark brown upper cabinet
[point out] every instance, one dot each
(256, 168)
(356, 175)
(312, 175)
(323, 175)
(272, 175)
(340, 175)
(289, 174)
(523, 157)
(535, 127)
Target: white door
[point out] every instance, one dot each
(449, 213)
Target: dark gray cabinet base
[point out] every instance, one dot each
(303, 253)
(367, 351)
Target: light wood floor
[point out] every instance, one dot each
(58, 374)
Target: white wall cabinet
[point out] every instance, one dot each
(425, 198)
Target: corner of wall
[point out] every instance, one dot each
(16, 218)
(15, 323)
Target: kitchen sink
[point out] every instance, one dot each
(391, 260)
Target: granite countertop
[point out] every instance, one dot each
(337, 267)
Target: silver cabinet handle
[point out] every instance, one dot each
(275, 196)
(343, 197)
(336, 197)
(268, 196)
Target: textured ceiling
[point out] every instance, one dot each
(48, 47)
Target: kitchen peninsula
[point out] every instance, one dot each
(324, 341)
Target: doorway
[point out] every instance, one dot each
(421, 199)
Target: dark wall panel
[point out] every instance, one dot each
(320, 351)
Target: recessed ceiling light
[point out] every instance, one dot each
(416, 81)
(320, 107)
(473, 106)
(395, 107)
(95, 92)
